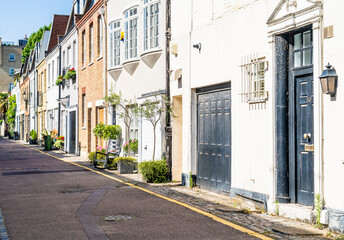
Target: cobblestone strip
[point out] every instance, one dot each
(3, 231)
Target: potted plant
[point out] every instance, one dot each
(59, 80)
(71, 74)
(126, 164)
(33, 137)
(133, 145)
(59, 143)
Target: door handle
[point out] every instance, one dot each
(307, 136)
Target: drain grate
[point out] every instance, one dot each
(118, 218)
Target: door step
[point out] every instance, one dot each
(296, 211)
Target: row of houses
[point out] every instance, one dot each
(251, 118)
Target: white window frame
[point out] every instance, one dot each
(91, 43)
(52, 73)
(151, 27)
(84, 49)
(74, 53)
(115, 43)
(130, 33)
(100, 36)
(12, 59)
(49, 77)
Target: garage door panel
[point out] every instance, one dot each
(214, 141)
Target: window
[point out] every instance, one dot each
(130, 33)
(11, 71)
(57, 67)
(115, 43)
(12, 57)
(303, 49)
(74, 49)
(83, 110)
(150, 24)
(63, 59)
(253, 79)
(68, 54)
(49, 77)
(83, 49)
(52, 73)
(91, 44)
(100, 36)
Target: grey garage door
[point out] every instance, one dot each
(214, 140)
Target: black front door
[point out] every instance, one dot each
(304, 140)
(214, 140)
(72, 129)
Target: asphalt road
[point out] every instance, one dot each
(45, 198)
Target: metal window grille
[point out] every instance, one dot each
(253, 79)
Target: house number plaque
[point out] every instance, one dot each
(309, 148)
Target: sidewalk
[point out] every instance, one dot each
(223, 206)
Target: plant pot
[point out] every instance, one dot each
(33, 141)
(126, 167)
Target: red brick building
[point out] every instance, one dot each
(92, 77)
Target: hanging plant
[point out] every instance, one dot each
(71, 74)
(59, 80)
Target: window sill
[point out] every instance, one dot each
(83, 68)
(91, 63)
(131, 65)
(99, 58)
(115, 72)
(83, 128)
(151, 56)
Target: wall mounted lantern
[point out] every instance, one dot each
(328, 80)
(24, 96)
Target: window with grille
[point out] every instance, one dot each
(115, 43)
(130, 33)
(11, 71)
(150, 24)
(253, 79)
(12, 57)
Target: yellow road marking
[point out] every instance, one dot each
(215, 218)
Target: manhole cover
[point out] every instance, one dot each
(118, 218)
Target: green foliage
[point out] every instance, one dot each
(112, 132)
(133, 145)
(318, 206)
(11, 111)
(31, 42)
(154, 172)
(126, 109)
(92, 156)
(277, 207)
(59, 144)
(45, 132)
(3, 97)
(33, 134)
(98, 131)
(59, 80)
(124, 160)
(70, 74)
(191, 183)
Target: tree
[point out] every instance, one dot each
(11, 112)
(152, 110)
(31, 42)
(126, 109)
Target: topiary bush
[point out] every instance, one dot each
(112, 162)
(154, 172)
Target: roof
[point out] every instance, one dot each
(58, 28)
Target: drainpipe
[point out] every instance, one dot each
(59, 110)
(168, 95)
(102, 11)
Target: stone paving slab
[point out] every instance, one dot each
(220, 205)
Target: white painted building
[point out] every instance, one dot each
(69, 90)
(252, 120)
(137, 63)
(52, 61)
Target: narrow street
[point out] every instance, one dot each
(44, 198)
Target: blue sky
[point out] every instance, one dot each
(20, 17)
